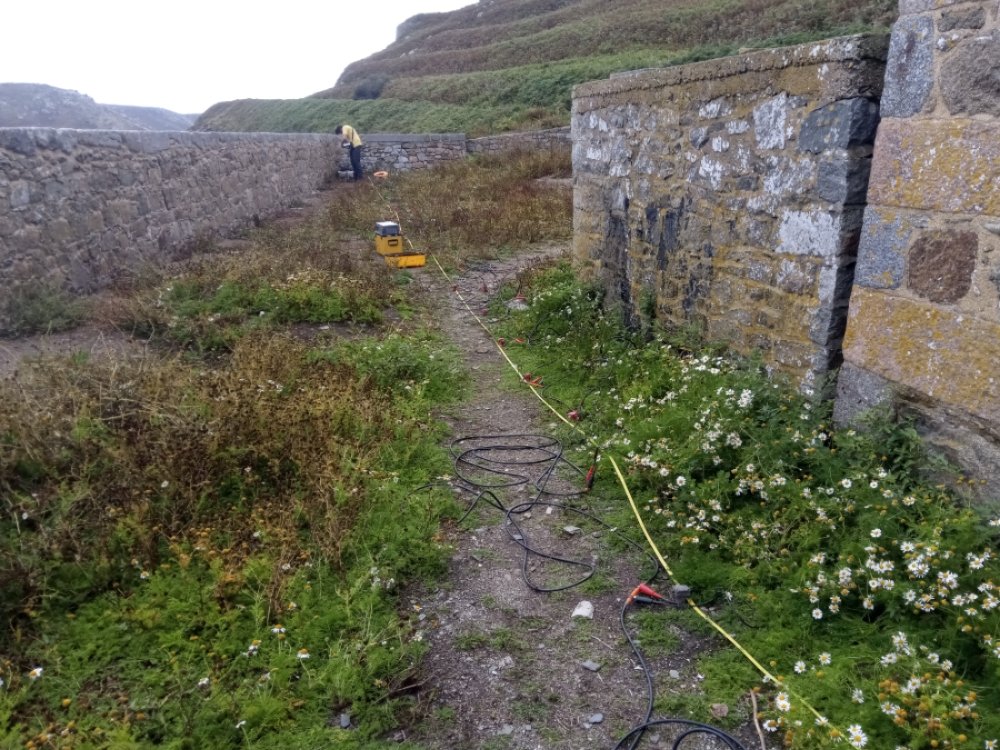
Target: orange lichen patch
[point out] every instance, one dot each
(948, 356)
(936, 165)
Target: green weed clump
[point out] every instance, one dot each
(303, 275)
(870, 593)
(196, 556)
(40, 308)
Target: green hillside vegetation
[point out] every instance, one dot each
(511, 64)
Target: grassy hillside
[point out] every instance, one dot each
(504, 65)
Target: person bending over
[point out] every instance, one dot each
(351, 138)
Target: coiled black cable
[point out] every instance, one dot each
(487, 463)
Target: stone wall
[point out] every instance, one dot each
(729, 194)
(79, 206)
(553, 139)
(76, 206)
(400, 152)
(924, 323)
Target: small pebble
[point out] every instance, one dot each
(596, 719)
(674, 674)
(506, 730)
(593, 666)
(345, 721)
(585, 610)
(571, 530)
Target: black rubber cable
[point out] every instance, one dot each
(505, 459)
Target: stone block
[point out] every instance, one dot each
(941, 263)
(769, 122)
(909, 71)
(843, 181)
(813, 232)
(970, 76)
(947, 166)
(964, 18)
(885, 240)
(946, 357)
(858, 391)
(18, 141)
(839, 125)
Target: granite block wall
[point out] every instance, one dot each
(729, 194)
(400, 152)
(924, 323)
(553, 139)
(77, 206)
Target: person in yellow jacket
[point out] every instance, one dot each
(351, 138)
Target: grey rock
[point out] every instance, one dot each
(844, 181)
(584, 610)
(679, 592)
(345, 721)
(674, 674)
(882, 252)
(506, 730)
(858, 390)
(840, 125)
(571, 530)
(592, 666)
(966, 18)
(769, 121)
(909, 71)
(595, 719)
(970, 77)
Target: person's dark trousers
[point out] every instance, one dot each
(356, 162)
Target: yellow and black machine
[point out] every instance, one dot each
(392, 245)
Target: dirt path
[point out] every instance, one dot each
(510, 667)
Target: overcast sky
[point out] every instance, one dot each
(185, 55)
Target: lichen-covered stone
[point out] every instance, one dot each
(769, 122)
(947, 357)
(909, 71)
(970, 76)
(885, 239)
(941, 265)
(723, 221)
(937, 165)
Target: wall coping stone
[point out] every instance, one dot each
(842, 49)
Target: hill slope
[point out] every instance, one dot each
(511, 64)
(38, 105)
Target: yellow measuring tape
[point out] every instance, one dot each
(628, 493)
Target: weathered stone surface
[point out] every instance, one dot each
(970, 77)
(885, 239)
(907, 7)
(964, 18)
(858, 391)
(949, 358)
(685, 184)
(948, 166)
(815, 232)
(941, 265)
(80, 206)
(841, 125)
(909, 71)
(843, 181)
(769, 122)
